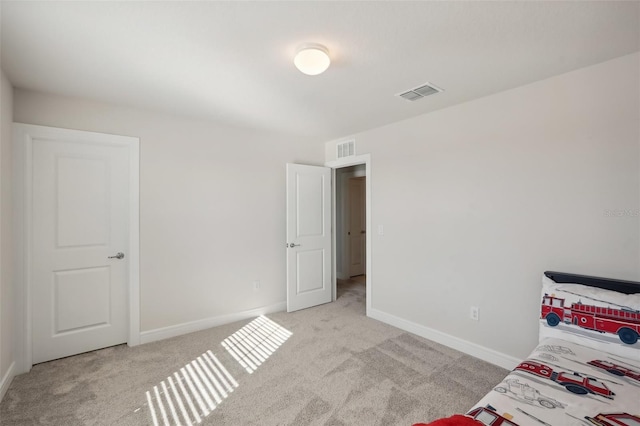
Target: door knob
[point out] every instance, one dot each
(293, 245)
(120, 255)
(363, 232)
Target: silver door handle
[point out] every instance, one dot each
(294, 245)
(120, 255)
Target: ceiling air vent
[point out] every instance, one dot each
(346, 149)
(420, 92)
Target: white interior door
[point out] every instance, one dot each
(80, 211)
(308, 236)
(357, 226)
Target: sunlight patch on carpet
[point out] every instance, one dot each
(255, 342)
(192, 393)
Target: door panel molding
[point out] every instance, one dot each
(23, 139)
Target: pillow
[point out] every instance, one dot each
(601, 319)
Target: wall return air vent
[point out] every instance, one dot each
(346, 149)
(420, 92)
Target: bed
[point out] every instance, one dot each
(585, 369)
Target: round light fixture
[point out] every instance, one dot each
(312, 59)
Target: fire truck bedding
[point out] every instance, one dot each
(586, 367)
(564, 383)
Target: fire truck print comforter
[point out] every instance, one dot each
(584, 371)
(564, 383)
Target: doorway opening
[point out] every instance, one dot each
(336, 166)
(311, 231)
(351, 231)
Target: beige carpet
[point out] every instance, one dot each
(337, 367)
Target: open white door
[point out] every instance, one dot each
(308, 236)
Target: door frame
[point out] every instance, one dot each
(339, 164)
(23, 220)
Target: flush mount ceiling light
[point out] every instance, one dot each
(312, 59)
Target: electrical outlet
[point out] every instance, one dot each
(256, 285)
(474, 313)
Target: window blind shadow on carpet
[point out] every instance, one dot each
(195, 390)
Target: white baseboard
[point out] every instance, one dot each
(203, 324)
(6, 380)
(473, 349)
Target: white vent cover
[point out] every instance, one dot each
(346, 149)
(420, 92)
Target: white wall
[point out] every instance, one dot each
(6, 240)
(479, 199)
(212, 206)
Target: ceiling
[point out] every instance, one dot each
(231, 62)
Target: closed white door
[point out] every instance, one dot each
(308, 236)
(357, 226)
(79, 282)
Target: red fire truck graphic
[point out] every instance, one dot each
(625, 323)
(573, 382)
(488, 416)
(616, 419)
(616, 369)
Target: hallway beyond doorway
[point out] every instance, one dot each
(354, 286)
